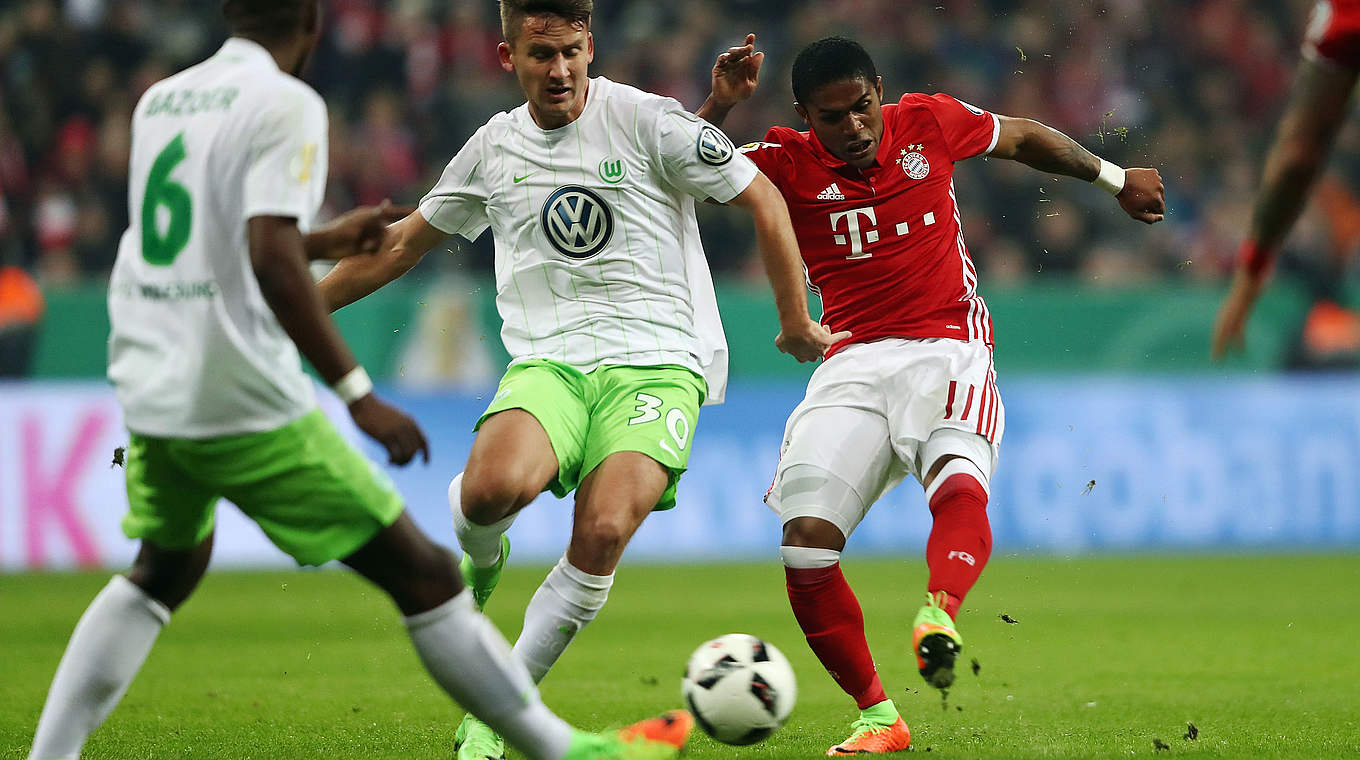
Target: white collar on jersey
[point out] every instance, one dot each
(248, 51)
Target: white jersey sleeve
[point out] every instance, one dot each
(286, 167)
(697, 158)
(456, 205)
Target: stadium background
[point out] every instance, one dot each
(1121, 435)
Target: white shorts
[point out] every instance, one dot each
(877, 412)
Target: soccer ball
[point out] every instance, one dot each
(739, 688)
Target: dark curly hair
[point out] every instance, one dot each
(268, 20)
(831, 59)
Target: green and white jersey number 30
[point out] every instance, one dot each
(677, 424)
(161, 247)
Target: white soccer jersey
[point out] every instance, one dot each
(598, 259)
(195, 351)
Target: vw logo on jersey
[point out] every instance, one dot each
(714, 147)
(577, 221)
(915, 165)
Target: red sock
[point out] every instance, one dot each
(960, 539)
(833, 623)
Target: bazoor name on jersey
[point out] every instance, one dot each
(577, 221)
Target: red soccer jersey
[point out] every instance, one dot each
(883, 247)
(1333, 33)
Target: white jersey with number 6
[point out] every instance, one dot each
(195, 351)
(598, 259)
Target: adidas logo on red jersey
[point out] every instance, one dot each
(831, 193)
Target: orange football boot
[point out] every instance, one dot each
(871, 738)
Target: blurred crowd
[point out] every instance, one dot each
(1192, 87)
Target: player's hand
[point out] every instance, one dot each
(736, 73)
(389, 426)
(1143, 196)
(1230, 326)
(360, 231)
(809, 341)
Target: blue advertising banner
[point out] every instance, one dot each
(1088, 464)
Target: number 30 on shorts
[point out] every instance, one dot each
(676, 422)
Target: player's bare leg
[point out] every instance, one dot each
(611, 504)
(512, 461)
(833, 624)
(460, 648)
(958, 548)
(110, 643)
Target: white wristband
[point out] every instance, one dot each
(1111, 177)
(353, 386)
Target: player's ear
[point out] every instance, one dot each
(503, 51)
(878, 88)
(802, 112)
(590, 47)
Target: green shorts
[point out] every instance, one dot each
(588, 416)
(313, 494)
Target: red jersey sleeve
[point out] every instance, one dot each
(771, 157)
(1333, 33)
(968, 130)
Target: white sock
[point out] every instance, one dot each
(470, 659)
(807, 557)
(481, 543)
(567, 599)
(108, 647)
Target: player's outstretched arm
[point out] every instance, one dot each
(799, 335)
(1138, 191)
(735, 76)
(404, 244)
(1303, 139)
(280, 265)
(354, 232)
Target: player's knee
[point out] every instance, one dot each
(169, 577)
(440, 570)
(602, 536)
(492, 494)
(813, 532)
(431, 578)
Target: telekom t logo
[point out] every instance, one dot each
(857, 241)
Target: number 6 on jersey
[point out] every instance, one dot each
(161, 191)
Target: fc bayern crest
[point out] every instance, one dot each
(915, 165)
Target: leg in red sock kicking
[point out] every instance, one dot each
(833, 623)
(826, 607)
(961, 537)
(960, 543)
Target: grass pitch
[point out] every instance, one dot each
(1109, 658)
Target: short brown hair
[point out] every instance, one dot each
(513, 13)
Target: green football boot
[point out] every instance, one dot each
(483, 580)
(475, 740)
(936, 642)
